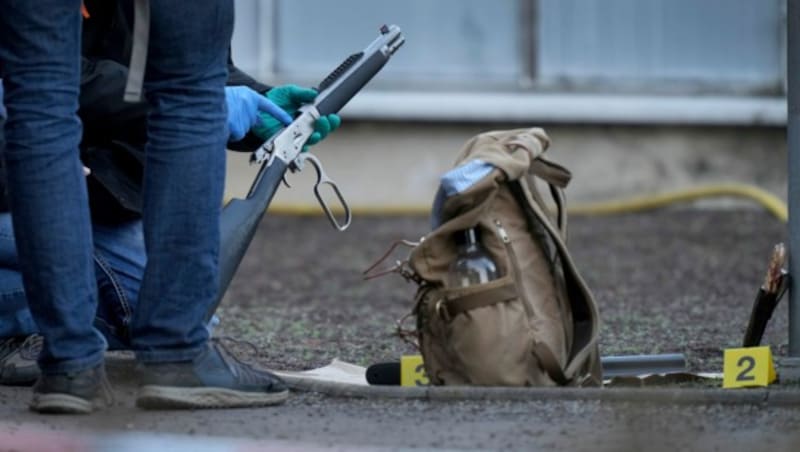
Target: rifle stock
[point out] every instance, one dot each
(238, 223)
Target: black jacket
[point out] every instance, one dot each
(114, 132)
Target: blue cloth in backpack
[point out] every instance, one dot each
(457, 180)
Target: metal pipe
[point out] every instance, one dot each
(793, 138)
(637, 365)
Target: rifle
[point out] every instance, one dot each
(283, 151)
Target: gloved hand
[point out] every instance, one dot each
(290, 98)
(246, 108)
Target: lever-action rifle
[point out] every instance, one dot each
(283, 151)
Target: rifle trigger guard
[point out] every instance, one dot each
(323, 179)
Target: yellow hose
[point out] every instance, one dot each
(767, 200)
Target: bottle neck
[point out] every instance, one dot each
(470, 240)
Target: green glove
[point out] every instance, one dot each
(290, 98)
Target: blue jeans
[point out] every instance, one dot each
(119, 261)
(39, 64)
(183, 181)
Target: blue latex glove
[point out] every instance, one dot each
(246, 108)
(290, 98)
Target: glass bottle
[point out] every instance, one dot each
(472, 265)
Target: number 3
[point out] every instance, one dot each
(423, 379)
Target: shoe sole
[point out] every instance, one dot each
(171, 397)
(17, 381)
(55, 403)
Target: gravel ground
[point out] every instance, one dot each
(667, 281)
(678, 280)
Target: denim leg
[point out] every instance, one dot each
(15, 317)
(39, 64)
(120, 260)
(184, 176)
(2, 116)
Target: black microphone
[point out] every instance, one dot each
(387, 374)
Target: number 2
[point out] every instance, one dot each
(750, 363)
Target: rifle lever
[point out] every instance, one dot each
(323, 179)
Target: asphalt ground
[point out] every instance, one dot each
(674, 280)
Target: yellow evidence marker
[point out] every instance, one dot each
(412, 371)
(747, 367)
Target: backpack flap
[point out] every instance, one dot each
(512, 151)
(511, 154)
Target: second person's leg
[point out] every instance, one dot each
(184, 175)
(183, 185)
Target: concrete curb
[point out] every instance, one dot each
(774, 396)
(680, 396)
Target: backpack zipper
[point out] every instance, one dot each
(512, 257)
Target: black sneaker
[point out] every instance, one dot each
(74, 393)
(215, 379)
(18, 360)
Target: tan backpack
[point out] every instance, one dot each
(537, 324)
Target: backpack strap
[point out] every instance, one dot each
(549, 362)
(557, 177)
(561, 209)
(550, 172)
(459, 302)
(585, 315)
(138, 63)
